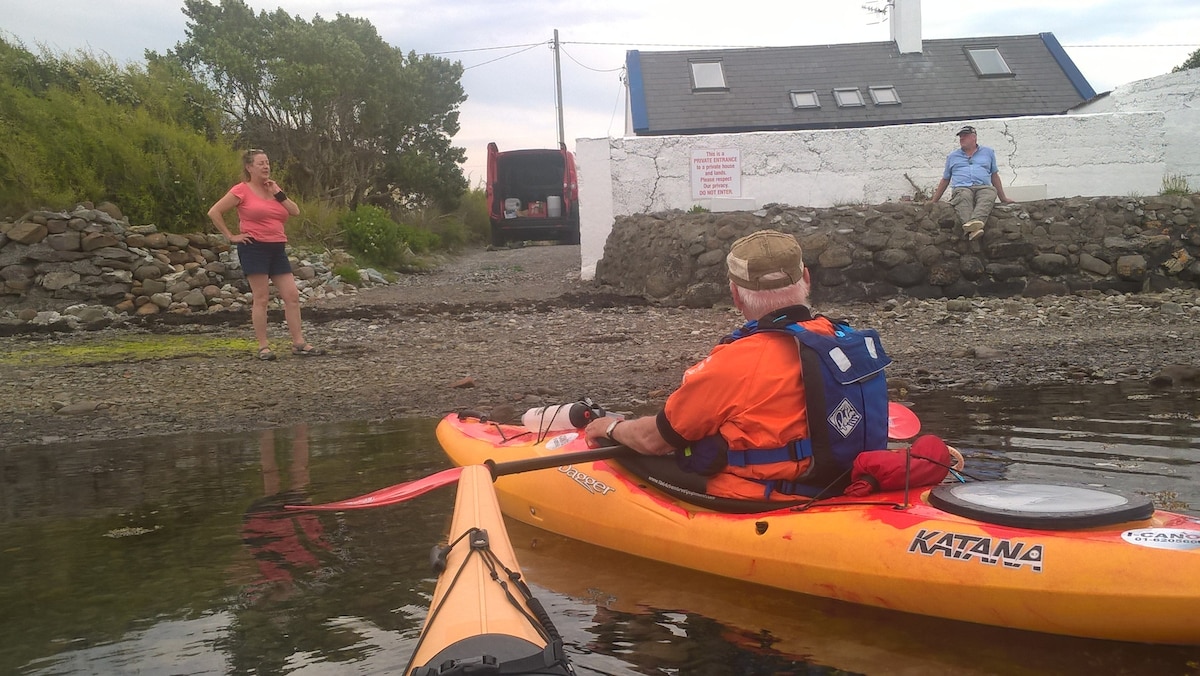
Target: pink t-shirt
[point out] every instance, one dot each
(260, 218)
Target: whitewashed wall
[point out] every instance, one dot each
(1039, 157)
(1177, 95)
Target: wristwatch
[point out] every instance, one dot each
(612, 426)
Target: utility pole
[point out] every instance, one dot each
(558, 91)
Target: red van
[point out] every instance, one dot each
(532, 194)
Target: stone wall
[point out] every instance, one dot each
(1041, 157)
(91, 264)
(1048, 247)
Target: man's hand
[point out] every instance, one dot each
(594, 432)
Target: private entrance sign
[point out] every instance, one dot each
(716, 173)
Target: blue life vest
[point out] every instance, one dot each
(844, 385)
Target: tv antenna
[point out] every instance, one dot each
(880, 8)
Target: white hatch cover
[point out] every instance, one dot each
(1041, 506)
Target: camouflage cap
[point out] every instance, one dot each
(767, 259)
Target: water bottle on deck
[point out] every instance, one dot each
(562, 416)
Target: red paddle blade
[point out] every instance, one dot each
(392, 494)
(902, 422)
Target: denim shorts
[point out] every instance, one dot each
(264, 258)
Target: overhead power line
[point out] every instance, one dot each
(487, 49)
(596, 70)
(501, 58)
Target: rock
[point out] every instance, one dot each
(111, 209)
(1176, 374)
(98, 240)
(55, 281)
(196, 299)
(88, 313)
(1132, 268)
(959, 305)
(80, 407)
(27, 232)
(66, 241)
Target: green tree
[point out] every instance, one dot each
(1193, 61)
(350, 118)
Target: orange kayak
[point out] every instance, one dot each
(482, 613)
(1135, 579)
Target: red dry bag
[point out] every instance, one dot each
(884, 470)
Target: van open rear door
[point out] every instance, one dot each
(495, 205)
(570, 193)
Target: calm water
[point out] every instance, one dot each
(170, 556)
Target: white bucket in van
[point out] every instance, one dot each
(554, 206)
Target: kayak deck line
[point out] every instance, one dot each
(1135, 580)
(483, 616)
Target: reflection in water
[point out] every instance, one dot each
(662, 642)
(285, 543)
(293, 553)
(172, 555)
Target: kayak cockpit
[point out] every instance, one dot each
(1004, 503)
(485, 654)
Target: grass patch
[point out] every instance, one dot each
(349, 274)
(128, 349)
(1175, 184)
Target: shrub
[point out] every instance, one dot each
(77, 128)
(418, 239)
(473, 213)
(374, 236)
(320, 223)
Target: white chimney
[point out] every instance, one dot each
(906, 25)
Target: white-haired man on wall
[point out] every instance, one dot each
(974, 179)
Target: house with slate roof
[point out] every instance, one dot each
(902, 81)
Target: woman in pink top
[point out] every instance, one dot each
(263, 208)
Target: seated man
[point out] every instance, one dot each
(972, 173)
(743, 414)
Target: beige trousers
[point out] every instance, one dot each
(973, 203)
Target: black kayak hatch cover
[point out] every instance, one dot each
(1040, 506)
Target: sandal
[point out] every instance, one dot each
(307, 350)
(265, 354)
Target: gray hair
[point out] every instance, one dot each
(755, 304)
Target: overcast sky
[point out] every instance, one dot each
(505, 44)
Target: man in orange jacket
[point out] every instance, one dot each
(749, 393)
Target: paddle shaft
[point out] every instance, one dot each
(408, 490)
(499, 469)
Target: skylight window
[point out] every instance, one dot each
(884, 96)
(848, 97)
(805, 98)
(988, 62)
(707, 75)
